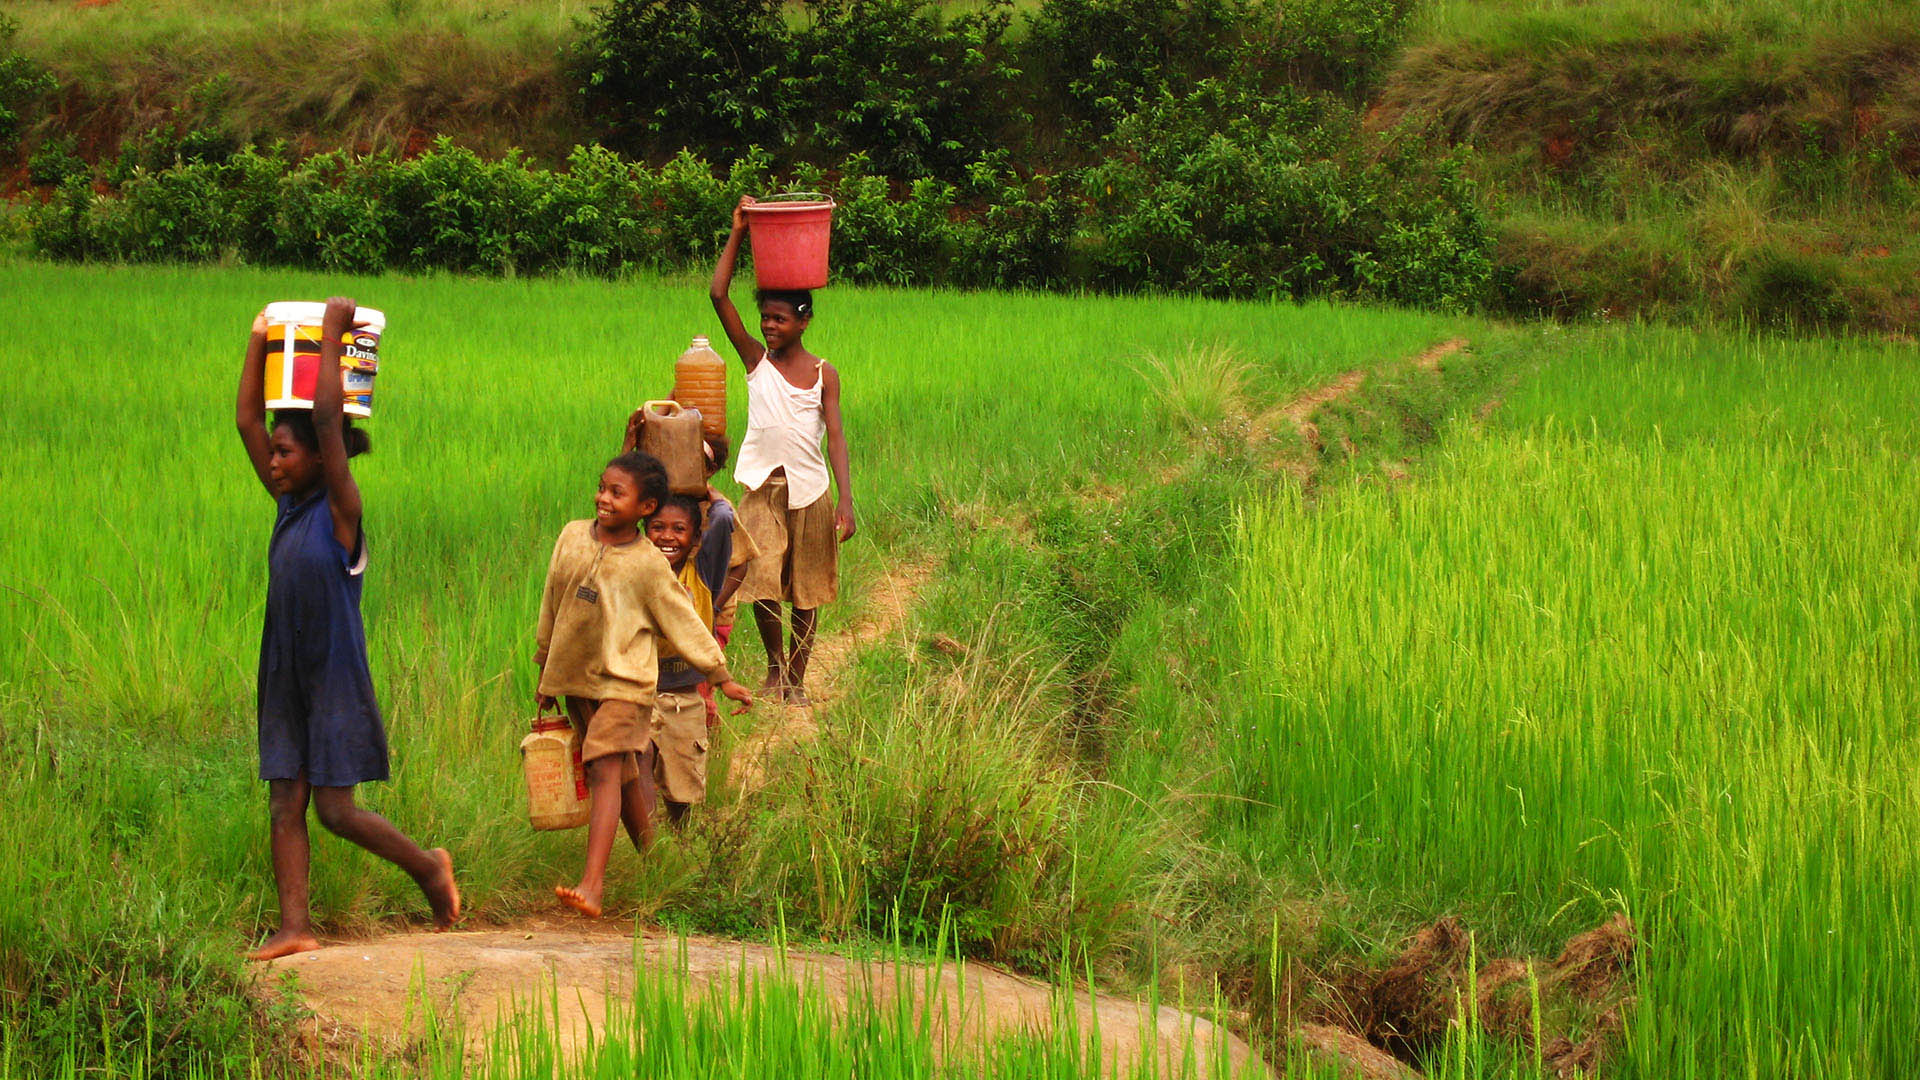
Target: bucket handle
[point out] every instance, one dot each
(801, 196)
(657, 406)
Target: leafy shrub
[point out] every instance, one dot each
(63, 226)
(330, 215)
(174, 215)
(1343, 45)
(450, 209)
(56, 162)
(21, 83)
(1022, 233)
(1097, 60)
(919, 93)
(1228, 194)
(1794, 291)
(690, 210)
(591, 214)
(669, 74)
(158, 148)
(1216, 192)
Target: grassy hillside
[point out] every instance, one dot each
(1755, 161)
(354, 73)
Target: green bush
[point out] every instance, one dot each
(592, 213)
(1343, 45)
(330, 216)
(690, 209)
(1228, 194)
(63, 226)
(1022, 233)
(449, 209)
(174, 215)
(919, 93)
(1794, 291)
(1219, 192)
(671, 74)
(1095, 61)
(22, 82)
(56, 162)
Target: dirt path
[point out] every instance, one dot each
(888, 603)
(1298, 411)
(568, 970)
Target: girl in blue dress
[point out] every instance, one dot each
(320, 729)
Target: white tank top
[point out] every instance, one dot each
(785, 425)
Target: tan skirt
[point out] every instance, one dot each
(799, 561)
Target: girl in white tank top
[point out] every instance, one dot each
(793, 403)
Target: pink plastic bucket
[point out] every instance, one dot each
(790, 240)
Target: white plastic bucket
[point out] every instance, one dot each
(293, 356)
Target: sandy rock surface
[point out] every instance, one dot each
(375, 989)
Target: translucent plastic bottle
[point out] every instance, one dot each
(700, 382)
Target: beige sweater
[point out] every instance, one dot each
(604, 613)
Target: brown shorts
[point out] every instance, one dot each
(680, 736)
(799, 559)
(610, 727)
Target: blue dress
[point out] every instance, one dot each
(317, 710)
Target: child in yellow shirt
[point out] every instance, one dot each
(610, 601)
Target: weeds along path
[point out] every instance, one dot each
(1299, 411)
(399, 994)
(888, 602)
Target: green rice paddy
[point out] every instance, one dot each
(1641, 638)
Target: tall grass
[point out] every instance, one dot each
(1490, 21)
(1645, 643)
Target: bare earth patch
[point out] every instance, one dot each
(382, 990)
(1383, 1019)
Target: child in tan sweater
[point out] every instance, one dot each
(610, 599)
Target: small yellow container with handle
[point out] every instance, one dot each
(556, 781)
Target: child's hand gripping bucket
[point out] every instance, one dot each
(790, 235)
(556, 781)
(293, 356)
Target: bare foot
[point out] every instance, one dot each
(775, 685)
(442, 892)
(577, 900)
(796, 696)
(285, 943)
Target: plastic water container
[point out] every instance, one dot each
(556, 781)
(700, 382)
(790, 235)
(672, 434)
(293, 356)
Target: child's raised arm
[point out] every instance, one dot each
(343, 495)
(744, 343)
(250, 411)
